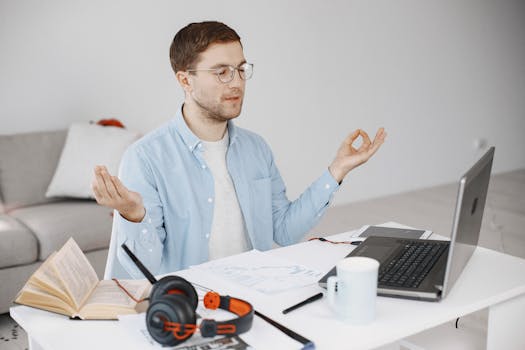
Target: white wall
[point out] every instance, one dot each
(436, 74)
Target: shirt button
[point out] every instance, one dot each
(210, 200)
(327, 186)
(190, 148)
(207, 235)
(144, 231)
(203, 166)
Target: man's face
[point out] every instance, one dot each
(220, 101)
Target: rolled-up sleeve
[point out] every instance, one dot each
(293, 219)
(146, 238)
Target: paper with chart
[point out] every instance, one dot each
(262, 272)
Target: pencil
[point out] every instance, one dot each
(307, 344)
(304, 302)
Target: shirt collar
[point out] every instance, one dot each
(232, 132)
(190, 139)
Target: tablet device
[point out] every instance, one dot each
(368, 230)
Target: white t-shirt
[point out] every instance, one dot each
(228, 230)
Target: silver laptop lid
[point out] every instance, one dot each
(470, 204)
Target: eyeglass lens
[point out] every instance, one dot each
(227, 73)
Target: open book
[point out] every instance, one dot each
(66, 283)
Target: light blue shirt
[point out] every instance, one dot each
(167, 168)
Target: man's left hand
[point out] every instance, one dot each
(348, 157)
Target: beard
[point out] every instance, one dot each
(221, 111)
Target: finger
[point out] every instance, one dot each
(100, 168)
(379, 139)
(99, 196)
(109, 185)
(352, 137)
(96, 192)
(121, 189)
(366, 140)
(98, 171)
(375, 146)
(380, 135)
(101, 186)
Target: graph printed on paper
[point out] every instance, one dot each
(258, 271)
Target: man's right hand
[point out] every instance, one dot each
(110, 192)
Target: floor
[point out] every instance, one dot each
(430, 208)
(12, 337)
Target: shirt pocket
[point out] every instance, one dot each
(261, 191)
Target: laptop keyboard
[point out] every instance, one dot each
(411, 265)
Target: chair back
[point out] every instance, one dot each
(113, 267)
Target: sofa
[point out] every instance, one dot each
(32, 226)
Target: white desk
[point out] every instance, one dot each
(491, 279)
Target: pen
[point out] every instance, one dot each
(304, 302)
(307, 344)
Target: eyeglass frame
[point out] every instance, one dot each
(231, 68)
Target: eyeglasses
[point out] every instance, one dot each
(227, 73)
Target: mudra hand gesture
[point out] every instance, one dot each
(110, 192)
(348, 157)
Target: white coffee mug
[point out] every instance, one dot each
(352, 293)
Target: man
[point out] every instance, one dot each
(200, 188)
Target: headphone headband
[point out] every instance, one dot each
(238, 325)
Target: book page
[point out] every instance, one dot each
(45, 277)
(76, 273)
(109, 293)
(108, 300)
(32, 295)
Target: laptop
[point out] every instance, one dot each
(427, 269)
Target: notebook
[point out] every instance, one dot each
(427, 269)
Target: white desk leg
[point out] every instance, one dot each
(33, 345)
(505, 325)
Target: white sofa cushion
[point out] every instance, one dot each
(88, 145)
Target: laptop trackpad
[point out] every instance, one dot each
(380, 252)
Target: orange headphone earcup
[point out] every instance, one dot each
(174, 285)
(169, 308)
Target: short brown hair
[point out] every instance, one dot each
(195, 38)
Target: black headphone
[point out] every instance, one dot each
(171, 318)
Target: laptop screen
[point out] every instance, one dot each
(472, 194)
